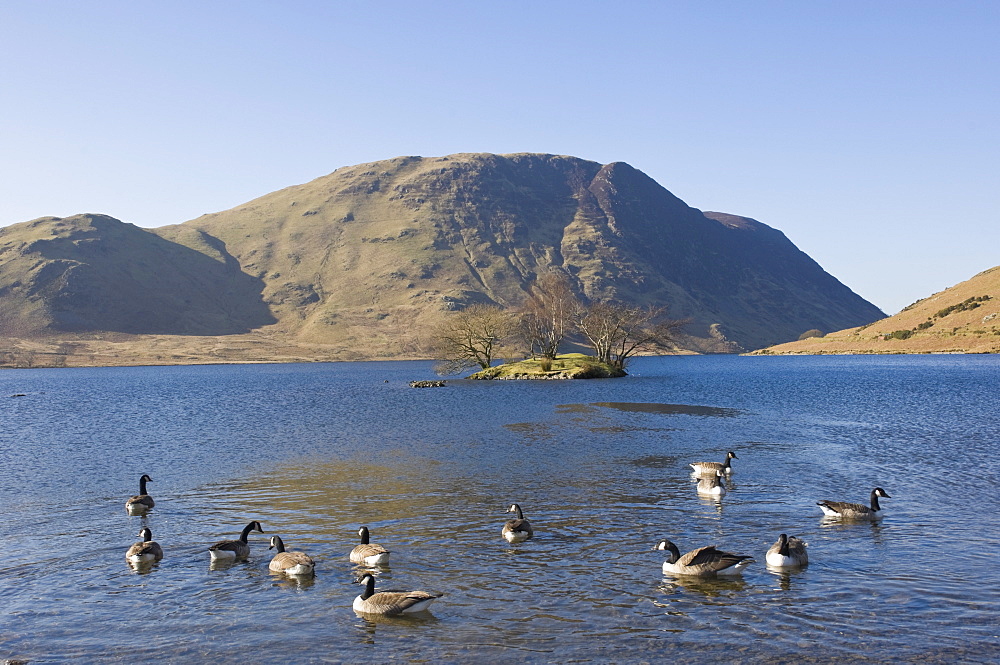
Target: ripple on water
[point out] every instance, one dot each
(600, 469)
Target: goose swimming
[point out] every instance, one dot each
(702, 562)
(845, 510)
(516, 530)
(712, 485)
(289, 563)
(141, 502)
(787, 552)
(709, 468)
(146, 551)
(234, 550)
(369, 554)
(390, 603)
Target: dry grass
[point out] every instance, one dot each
(973, 330)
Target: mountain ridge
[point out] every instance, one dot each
(367, 259)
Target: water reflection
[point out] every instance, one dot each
(296, 582)
(224, 564)
(710, 587)
(708, 501)
(841, 524)
(785, 576)
(369, 624)
(142, 567)
(656, 462)
(647, 407)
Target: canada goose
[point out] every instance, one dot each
(146, 551)
(702, 562)
(368, 554)
(289, 563)
(787, 552)
(235, 550)
(517, 530)
(854, 511)
(389, 603)
(712, 485)
(708, 468)
(141, 502)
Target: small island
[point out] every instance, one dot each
(563, 366)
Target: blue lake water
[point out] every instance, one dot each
(599, 467)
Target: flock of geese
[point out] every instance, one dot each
(786, 552)
(293, 563)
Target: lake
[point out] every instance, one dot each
(314, 451)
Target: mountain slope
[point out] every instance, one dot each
(378, 251)
(94, 273)
(964, 318)
(365, 261)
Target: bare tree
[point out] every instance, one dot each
(472, 337)
(617, 332)
(548, 314)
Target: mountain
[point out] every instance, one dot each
(94, 273)
(366, 260)
(964, 318)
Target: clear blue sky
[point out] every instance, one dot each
(866, 131)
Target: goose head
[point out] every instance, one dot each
(876, 493)
(731, 455)
(145, 534)
(514, 508)
(369, 583)
(363, 532)
(669, 547)
(253, 526)
(276, 543)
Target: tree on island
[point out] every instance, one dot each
(471, 337)
(617, 331)
(547, 315)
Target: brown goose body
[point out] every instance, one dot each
(516, 530)
(710, 468)
(141, 502)
(391, 603)
(235, 550)
(787, 552)
(702, 562)
(290, 563)
(855, 511)
(712, 485)
(367, 553)
(146, 551)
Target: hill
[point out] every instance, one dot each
(363, 262)
(962, 319)
(94, 273)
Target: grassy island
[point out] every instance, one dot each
(564, 366)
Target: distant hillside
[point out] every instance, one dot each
(962, 319)
(92, 272)
(366, 260)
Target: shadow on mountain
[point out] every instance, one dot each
(100, 274)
